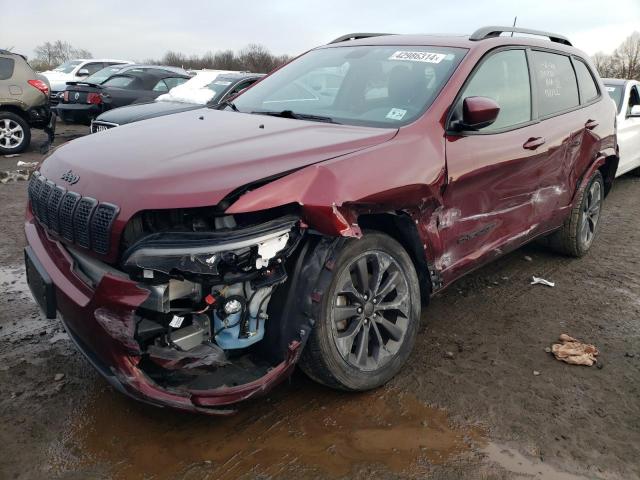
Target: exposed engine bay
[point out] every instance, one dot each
(210, 292)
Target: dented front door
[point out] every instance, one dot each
(499, 194)
(502, 183)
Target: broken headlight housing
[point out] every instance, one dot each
(230, 254)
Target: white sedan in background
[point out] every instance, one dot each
(626, 94)
(77, 70)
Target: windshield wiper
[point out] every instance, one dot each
(296, 116)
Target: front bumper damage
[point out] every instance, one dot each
(102, 315)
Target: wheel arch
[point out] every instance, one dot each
(608, 170)
(402, 228)
(16, 110)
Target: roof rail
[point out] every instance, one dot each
(357, 36)
(491, 32)
(9, 52)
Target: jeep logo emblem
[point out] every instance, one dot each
(70, 177)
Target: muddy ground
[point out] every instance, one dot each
(467, 405)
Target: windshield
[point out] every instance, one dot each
(67, 67)
(386, 86)
(616, 92)
(101, 75)
(219, 89)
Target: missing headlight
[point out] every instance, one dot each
(231, 256)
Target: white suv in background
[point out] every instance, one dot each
(626, 94)
(75, 70)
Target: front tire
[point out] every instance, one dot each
(368, 316)
(581, 227)
(15, 134)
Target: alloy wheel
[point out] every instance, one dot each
(591, 213)
(11, 133)
(370, 312)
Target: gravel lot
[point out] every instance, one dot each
(467, 405)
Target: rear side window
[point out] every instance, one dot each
(120, 81)
(503, 77)
(6, 68)
(174, 81)
(160, 87)
(556, 82)
(586, 83)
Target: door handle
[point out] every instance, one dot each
(533, 143)
(591, 124)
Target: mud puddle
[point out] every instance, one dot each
(304, 430)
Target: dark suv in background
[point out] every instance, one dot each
(24, 103)
(195, 258)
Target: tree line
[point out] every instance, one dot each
(253, 58)
(624, 62)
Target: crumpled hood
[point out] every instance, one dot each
(143, 111)
(196, 158)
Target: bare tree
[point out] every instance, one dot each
(604, 64)
(624, 62)
(49, 55)
(627, 56)
(257, 58)
(226, 60)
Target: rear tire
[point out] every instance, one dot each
(15, 134)
(368, 316)
(581, 227)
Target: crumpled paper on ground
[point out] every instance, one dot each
(574, 351)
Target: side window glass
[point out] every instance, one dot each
(161, 87)
(94, 67)
(586, 83)
(634, 99)
(556, 82)
(6, 68)
(120, 82)
(503, 77)
(174, 82)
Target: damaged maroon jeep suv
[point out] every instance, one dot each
(310, 219)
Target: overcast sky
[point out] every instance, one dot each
(139, 30)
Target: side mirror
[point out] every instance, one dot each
(635, 111)
(83, 72)
(478, 112)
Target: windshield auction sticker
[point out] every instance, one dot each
(425, 57)
(396, 114)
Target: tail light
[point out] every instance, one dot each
(40, 85)
(65, 96)
(94, 98)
